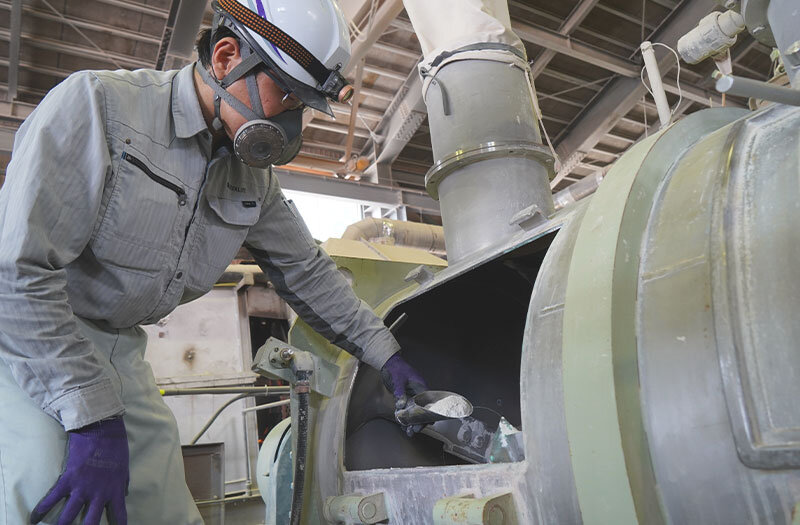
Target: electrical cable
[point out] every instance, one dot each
(302, 392)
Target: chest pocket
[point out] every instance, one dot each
(138, 226)
(229, 210)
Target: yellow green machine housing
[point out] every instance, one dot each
(644, 340)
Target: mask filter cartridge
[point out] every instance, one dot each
(261, 143)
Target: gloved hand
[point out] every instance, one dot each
(95, 475)
(402, 380)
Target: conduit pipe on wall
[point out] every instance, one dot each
(428, 237)
(489, 162)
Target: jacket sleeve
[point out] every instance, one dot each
(309, 281)
(48, 207)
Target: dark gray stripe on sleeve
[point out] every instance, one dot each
(304, 310)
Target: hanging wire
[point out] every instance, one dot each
(535, 100)
(582, 85)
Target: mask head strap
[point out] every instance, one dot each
(221, 93)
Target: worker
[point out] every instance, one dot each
(127, 194)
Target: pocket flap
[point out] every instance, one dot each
(242, 211)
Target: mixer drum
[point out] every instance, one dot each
(662, 353)
(644, 340)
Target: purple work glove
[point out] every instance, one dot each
(95, 476)
(402, 380)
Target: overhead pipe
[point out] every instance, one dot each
(428, 237)
(578, 190)
(489, 161)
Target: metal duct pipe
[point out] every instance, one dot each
(429, 237)
(489, 163)
(784, 22)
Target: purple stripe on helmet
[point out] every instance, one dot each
(263, 14)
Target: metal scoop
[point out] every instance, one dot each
(431, 406)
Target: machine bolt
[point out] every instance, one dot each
(369, 510)
(757, 30)
(287, 354)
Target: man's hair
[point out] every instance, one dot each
(205, 43)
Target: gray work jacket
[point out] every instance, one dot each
(115, 209)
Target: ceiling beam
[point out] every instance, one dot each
(333, 187)
(559, 43)
(376, 93)
(401, 120)
(575, 49)
(180, 33)
(376, 27)
(622, 94)
(573, 21)
(344, 109)
(84, 24)
(384, 72)
(78, 50)
(44, 70)
(337, 128)
(625, 16)
(138, 8)
(400, 51)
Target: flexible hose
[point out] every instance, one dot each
(301, 389)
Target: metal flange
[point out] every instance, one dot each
(489, 150)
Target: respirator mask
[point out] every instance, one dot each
(260, 142)
(263, 141)
(276, 140)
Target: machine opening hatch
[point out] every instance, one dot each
(464, 336)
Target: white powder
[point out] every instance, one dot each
(450, 406)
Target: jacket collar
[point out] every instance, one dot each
(186, 111)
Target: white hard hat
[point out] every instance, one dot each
(284, 33)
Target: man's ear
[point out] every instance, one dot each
(225, 56)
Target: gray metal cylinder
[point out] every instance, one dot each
(784, 19)
(489, 162)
